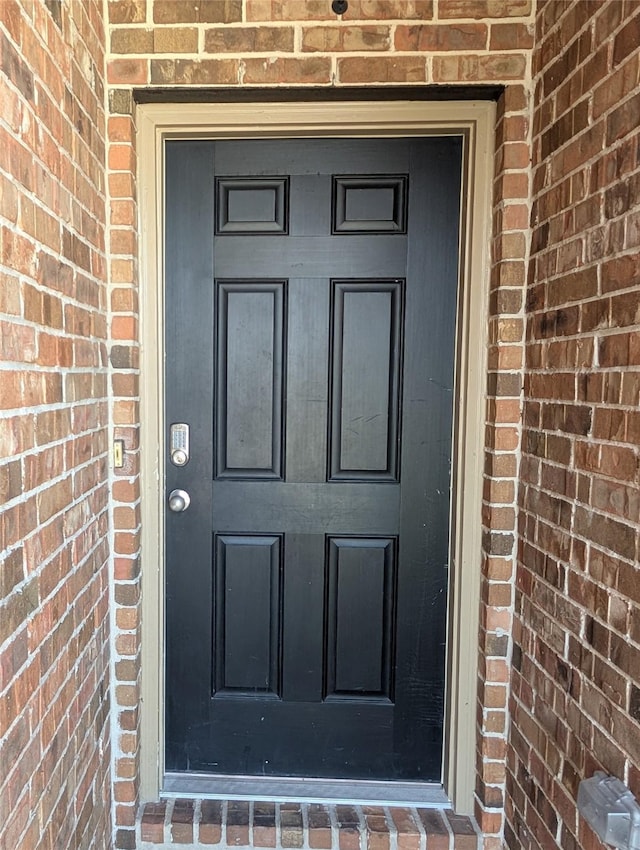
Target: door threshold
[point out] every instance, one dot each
(283, 789)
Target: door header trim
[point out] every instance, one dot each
(344, 119)
(319, 94)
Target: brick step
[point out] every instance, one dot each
(304, 826)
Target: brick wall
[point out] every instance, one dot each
(576, 694)
(54, 704)
(575, 700)
(184, 44)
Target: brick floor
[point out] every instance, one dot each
(300, 826)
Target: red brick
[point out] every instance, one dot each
(127, 11)
(128, 71)
(510, 36)
(319, 821)
(333, 39)
(471, 68)
(465, 836)
(377, 828)
(439, 37)
(385, 69)
(435, 829)
(623, 120)
(197, 11)
(246, 40)
(175, 40)
(621, 273)
(291, 825)
(287, 10)
(627, 40)
(283, 70)
(407, 830)
(152, 823)
(210, 829)
(194, 72)
(389, 9)
(182, 822)
(237, 832)
(348, 828)
(131, 41)
(264, 825)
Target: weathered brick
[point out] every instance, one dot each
(15, 68)
(588, 465)
(132, 41)
(264, 825)
(348, 822)
(345, 39)
(237, 831)
(390, 9)
(182, 822)
(197, 11)
(623, 120)
(127, 71)
(465, 835)
(120, 102)
(210, 828)
(152, 823)
(621, 272)
(291, 826)
(386, 69)
(194, 71)
(469, 68)
(568, 65)
(511, 36)
(377, 828)
(435, 828)
(437, 37)
(284, 70)
(249, 40)
(627, 40)
(175, 40)
(320, 837)
(408, 833)
(55, 165)
(127, 11)
(287, 10)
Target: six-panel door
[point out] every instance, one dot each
(311, 291)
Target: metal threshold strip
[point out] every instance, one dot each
(289, 789)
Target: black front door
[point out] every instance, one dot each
(311, 290)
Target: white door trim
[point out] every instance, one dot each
(473, 119)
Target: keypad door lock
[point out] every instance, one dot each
(179, 442)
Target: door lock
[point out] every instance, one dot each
(179, 500)
(179, 443)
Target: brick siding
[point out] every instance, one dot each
(567, 616)
(576, 679)
(54, 625)
(301, 826)
(276, 43)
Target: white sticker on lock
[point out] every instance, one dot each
(179, 443)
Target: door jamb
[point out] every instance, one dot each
(473, 119)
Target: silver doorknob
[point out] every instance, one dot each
(179, 500)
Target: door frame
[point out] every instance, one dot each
(475, 121)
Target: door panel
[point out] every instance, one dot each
(311, 290)
(251, 369)
(360, 617)
(365, 367)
